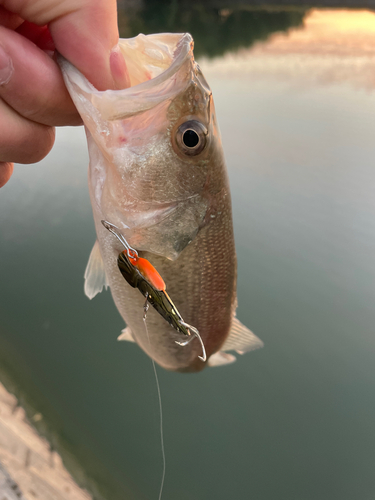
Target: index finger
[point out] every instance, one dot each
(84, 31)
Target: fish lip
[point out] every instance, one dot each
(121, 99)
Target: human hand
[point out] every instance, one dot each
(33, 97)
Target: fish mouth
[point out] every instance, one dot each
(165, 56)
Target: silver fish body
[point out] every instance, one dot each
(157, 172)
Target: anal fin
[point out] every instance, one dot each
(241, 339)
(221, 358)
(126, 334)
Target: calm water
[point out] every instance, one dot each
(294, 421)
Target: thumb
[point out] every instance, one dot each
(88, 38)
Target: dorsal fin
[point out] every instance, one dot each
(241, 339)
(95, 277)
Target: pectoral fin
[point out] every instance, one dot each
(241, 339)
(95, 277)
(126, 334)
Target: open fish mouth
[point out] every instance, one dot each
(155, 75)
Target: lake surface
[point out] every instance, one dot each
(293, 421)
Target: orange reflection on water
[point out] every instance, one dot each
(331, 46)
(343, 21)
(337, 32)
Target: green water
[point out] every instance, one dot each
(293, 421)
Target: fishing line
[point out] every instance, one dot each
(160, 409)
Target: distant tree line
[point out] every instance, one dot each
(215, 30)
(266, 4)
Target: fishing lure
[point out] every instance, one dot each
(141, 274)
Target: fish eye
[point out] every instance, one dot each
(191, 137)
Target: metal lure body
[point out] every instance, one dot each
(159, 299)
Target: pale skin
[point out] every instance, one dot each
(33, 97)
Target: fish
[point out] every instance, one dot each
(157, 173)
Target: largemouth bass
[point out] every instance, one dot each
(157, 173)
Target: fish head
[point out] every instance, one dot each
(154, 147)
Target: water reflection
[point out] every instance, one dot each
(332, 47)
(295, 420)
(215, 31)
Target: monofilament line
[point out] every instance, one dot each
(161, 416)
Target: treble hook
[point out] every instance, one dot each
(196, 335)
(115, 231)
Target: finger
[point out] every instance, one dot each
(40, 35)
(23, 141)
(73, 37)
(34, 86)
(9, 20)
(6, 170)
(84, 32)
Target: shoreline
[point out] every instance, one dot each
(29, 469)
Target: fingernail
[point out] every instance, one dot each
(6, 67)
(119, 70)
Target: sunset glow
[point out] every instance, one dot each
(331, 46)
